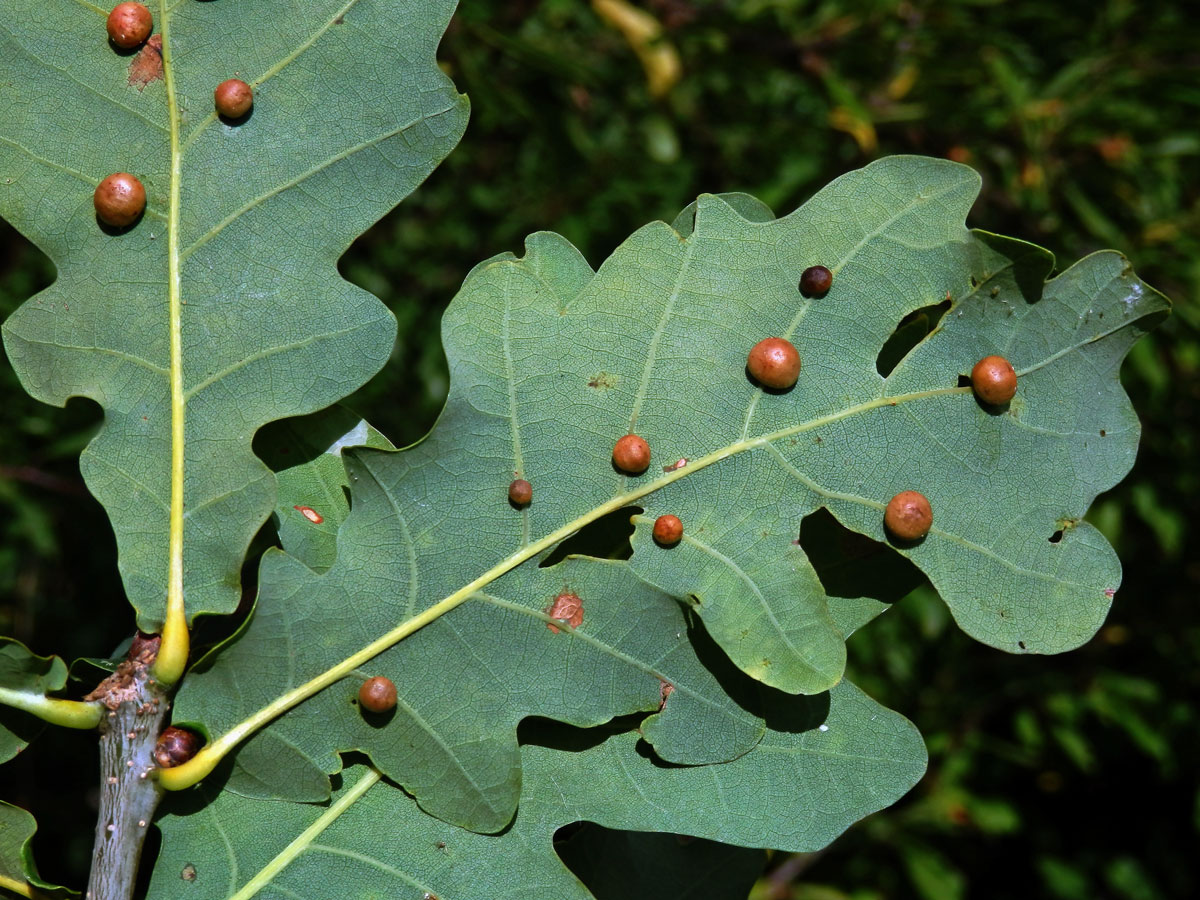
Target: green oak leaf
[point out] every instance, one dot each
(23, 672)
(465, 682)
(18, 872)
(222, 308)
(551, 361)
(313, 492)
(825, 762)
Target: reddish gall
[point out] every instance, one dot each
(377, 695)
(520, 492)
(994, 380)
(176, 746)
(119, 199)
(631, 454)
(774, 363)
(668, 530)
(233, 98)
(129, 24)
(908, 516)
(815, 281)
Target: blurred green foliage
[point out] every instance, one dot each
(1066, 777)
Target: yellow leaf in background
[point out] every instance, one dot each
(1160, 232)
(1032, 174)
(643, 32)
(1044, 109)
(899, 86)
(857, 126)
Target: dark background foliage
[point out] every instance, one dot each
(1062, 777)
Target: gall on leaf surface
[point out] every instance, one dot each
(352, 114)
(551, 361)
(823, 762)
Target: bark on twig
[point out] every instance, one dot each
(129, 793)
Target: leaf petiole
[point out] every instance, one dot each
(173, 652)
(67, 713)
(20, 888)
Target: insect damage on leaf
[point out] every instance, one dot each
(220, 306)
(668, 530)
(377, 694)
(567, 608)
(147, 65)
(667, 690)
(309, 513)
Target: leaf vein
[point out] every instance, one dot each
(652, 353)
(271, 72)
(753, 585)
(514, 424)
(83, 84)
(302, 177)
(269, 352)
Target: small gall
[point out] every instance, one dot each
(908, 516)
(176, 746)
(668, 530)
(774, 363)
(129, 24)
(377, 695)
(309, 513)
(994, 380)
(520, 492)
(233, 98)
(815, 281)
(119, 199)
(567, 607)
(631, 454)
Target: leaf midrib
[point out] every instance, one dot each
(173, 650)
(206, 760)
(203, 763)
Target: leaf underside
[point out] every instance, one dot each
(727, 649)
(17, 869)
(27, 673)
(351, 114)
(550, 362)
(823, 761)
